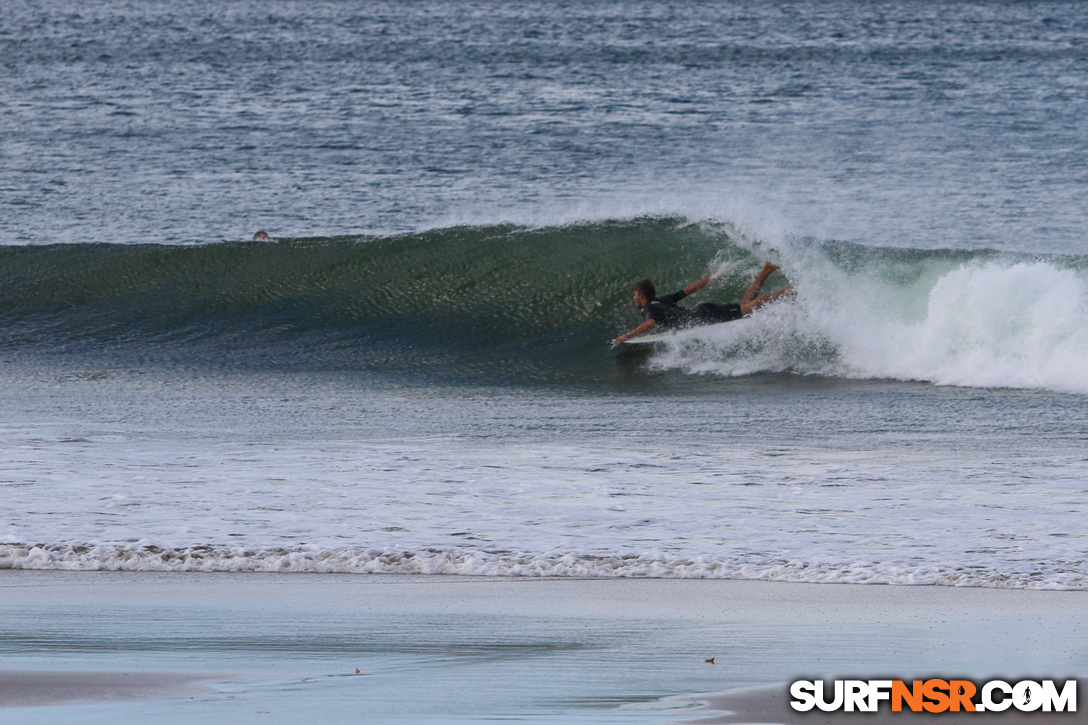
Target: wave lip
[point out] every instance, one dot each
(146, 556)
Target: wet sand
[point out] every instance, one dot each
(475, 648)
(33, 688)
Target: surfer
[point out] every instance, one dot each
(664, 312)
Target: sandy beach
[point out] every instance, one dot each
(26, 688)
(96, 646)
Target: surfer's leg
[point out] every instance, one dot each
(707, 313)
(757, 283)
(750, 306)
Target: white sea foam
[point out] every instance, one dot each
(145, 556)
(991, 324)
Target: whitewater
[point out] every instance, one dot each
(987, 321)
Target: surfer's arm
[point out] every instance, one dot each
(640, 330)
(700, 283)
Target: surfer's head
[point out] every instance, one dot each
(645, 293)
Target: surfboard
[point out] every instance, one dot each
(668, 335)
(652, 338)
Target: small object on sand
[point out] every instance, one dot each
(709, 660)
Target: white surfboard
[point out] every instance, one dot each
(677, 335)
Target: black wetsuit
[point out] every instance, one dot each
(666, 313)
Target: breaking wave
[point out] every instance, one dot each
(519, 305)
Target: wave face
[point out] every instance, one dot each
(497, 302)
(514, 304)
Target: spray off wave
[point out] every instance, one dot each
(523, 305)
(967, 319)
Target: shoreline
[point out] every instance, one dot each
(482, 647)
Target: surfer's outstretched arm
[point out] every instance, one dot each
(640, 330)
(700, 283)
(697, 285)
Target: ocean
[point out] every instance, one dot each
(415, 375)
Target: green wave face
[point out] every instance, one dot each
(497, 302)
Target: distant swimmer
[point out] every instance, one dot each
(664, 312)
(260, 235)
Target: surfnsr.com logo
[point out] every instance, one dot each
(934, 695)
